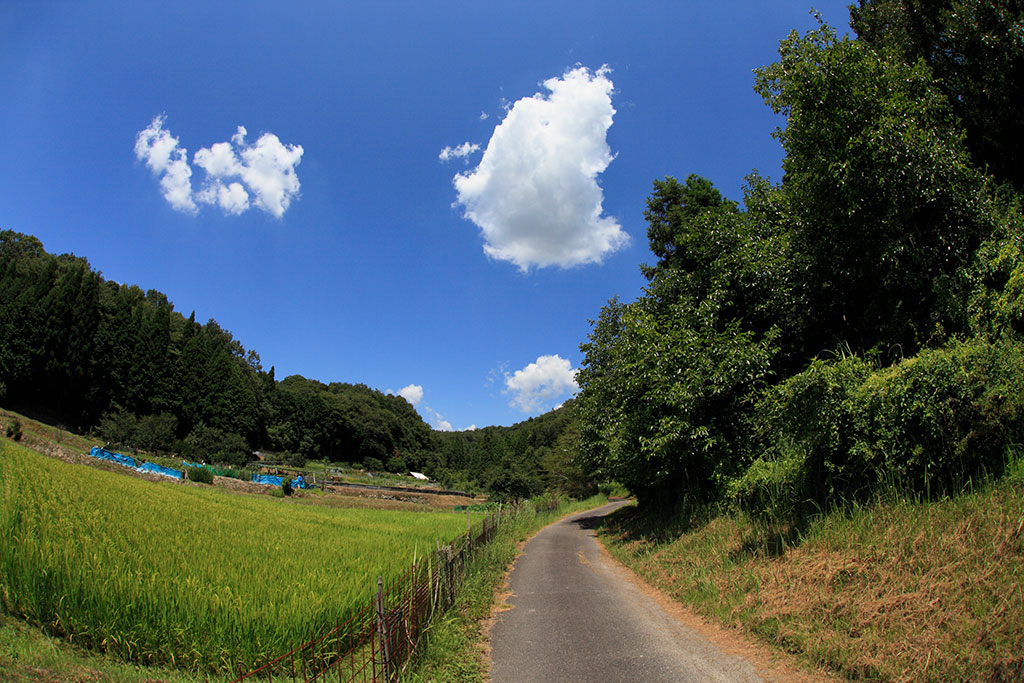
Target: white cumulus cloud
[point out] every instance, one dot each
(460, 152)
(536, 385)
(412, 393)
(239, 175)
(534, 194)
(155, 146)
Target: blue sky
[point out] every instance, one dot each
(332, 232)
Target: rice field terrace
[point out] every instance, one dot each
(188, 576)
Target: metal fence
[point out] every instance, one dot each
(379, 640)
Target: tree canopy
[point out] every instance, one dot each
(893, 231)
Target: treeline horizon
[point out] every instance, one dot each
(99, 356)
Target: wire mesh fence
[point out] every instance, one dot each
(378, 640)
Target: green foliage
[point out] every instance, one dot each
(373, 464)
(293, 459)
(119, 428)
(886, 209)
(199, 474)
(997, 300)
(885, 239)
(973, 49)
(396, 465)
(513, 486)
(562, 465)
(209, 444)
(286, 486)
(841, 430)
(668, 381)
(773, 489)
(934, 422)
(14, 430)
(806, 436)
(474, 459)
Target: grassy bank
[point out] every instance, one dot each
(454, 647)
(28, 655)
(896, 591)
(186, 575)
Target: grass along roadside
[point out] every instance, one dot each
(453, 649)
(895, 591)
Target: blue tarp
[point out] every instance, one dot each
(126, 461)
(98, 452)
(159, 469)
(271, 480)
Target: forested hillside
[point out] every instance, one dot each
(856, 325)
(91, 354)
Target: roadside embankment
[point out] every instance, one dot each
(897, 590)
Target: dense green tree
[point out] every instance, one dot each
(885, 206)
(884, 237)
(975, 52)
(668, 380)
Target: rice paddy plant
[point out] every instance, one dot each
(187, 576)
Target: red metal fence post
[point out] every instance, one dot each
(382, 628)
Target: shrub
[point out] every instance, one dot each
(935, 421)
(14, 430)
(199, 474)
(119, 428)
(286, 486)
(294, 459)
(373, 464)
(772, 489)
(513, 486)
(213, 445)
(805, 430)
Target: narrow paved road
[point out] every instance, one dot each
(577, 617)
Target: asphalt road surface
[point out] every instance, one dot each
(576, 616)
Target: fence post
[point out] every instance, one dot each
(382, 629)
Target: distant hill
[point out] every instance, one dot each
(92, 354)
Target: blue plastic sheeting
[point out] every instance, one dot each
(159, 469)
(186, 463)
(271, 480)
(102, 454)
(266, 479)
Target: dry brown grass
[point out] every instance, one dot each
(897, 591)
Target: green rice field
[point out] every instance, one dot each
(189, 576)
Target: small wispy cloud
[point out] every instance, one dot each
(540, 383)
(534, 195)
(460, 152)
(440, 424)
(239, 175)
